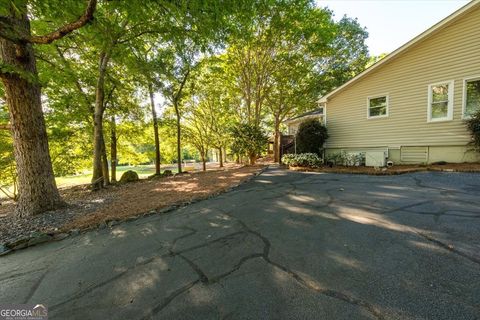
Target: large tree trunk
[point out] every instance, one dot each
(36, 183)
(220, 157)
(179, 147)
(155, 131)
(113, 150)
(276, 142)
(99, 178)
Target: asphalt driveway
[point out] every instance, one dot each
(286, 245)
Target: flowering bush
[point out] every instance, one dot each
(346, 159)
(311, 160)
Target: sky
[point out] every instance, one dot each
(392, 23)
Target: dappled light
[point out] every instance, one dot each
(341, 245)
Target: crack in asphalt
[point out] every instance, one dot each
(35, 286)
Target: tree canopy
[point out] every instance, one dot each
(130, 82)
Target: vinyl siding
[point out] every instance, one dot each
(451, 53)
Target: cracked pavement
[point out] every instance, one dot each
(287, 245)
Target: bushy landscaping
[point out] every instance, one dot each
(310, 160)
(346, 159)
(473, 125)
(311, 137)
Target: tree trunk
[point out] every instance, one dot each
(179, 147)
(224, 155)
(36, 183)
(106, 179)
(276, 142)
(99, 179)
(113, 150)
(204, 162)
(220, 157)
(155, 131)
(253, 158)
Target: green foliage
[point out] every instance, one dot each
(311, 137)
(253, 62)
(248, 140)
(344, 158)
(473, 125)
(8, 174)
(311, 160)
(348, 55)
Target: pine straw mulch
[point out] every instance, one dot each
(88, 209)
(395, 170)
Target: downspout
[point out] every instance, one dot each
(325, 124)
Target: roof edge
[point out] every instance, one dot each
(403, 48)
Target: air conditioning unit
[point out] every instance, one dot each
(375, 159)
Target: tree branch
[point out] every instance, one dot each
(182, 84)
(86, 17)
(5, 127)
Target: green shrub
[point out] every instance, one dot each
(248, 140)
(345, 159)
(473, 125)
(311, 137)
(311, 160)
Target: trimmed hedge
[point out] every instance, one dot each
(311, 160)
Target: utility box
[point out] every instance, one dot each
(375, 159)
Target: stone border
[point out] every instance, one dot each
(382, 172)
(38, 237)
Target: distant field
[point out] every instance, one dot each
(143, 172)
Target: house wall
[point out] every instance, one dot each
(451, 53)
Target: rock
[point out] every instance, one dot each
(4, 249)
(18, 244)
(129, 176)
(75, 232)
(102, 225)
(38, 237)
(60, 236)
(166, 209)
(167, 173)
(155, 176)
(112, 223)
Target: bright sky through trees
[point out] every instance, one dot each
(392, 23)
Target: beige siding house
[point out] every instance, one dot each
(411, 105)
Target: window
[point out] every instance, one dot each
(377, 107)
(440, 101)
(471, 98)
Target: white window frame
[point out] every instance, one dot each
(464, 97)
(387, 96)
(451, 98)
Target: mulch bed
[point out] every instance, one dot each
(89, 209)
(395, 170)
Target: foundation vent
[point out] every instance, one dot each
(414, 154)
